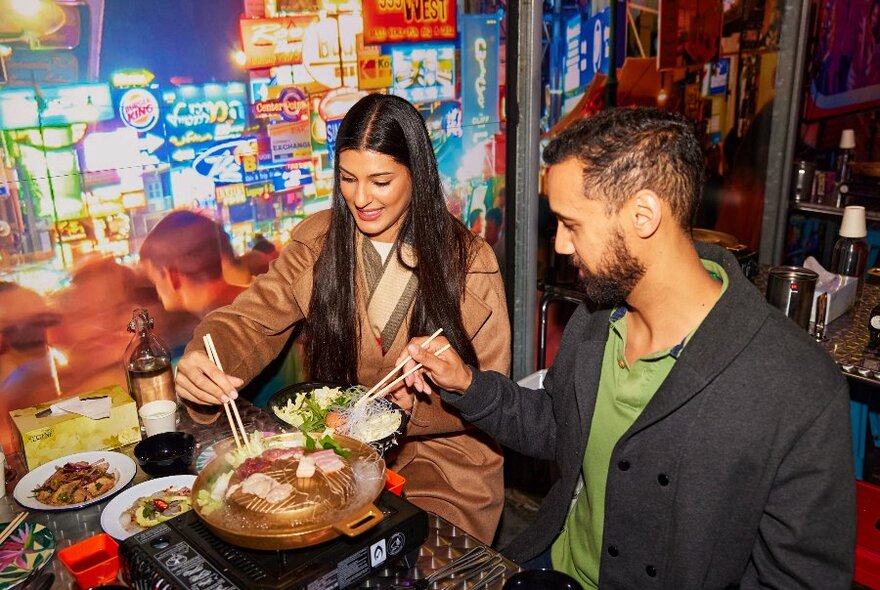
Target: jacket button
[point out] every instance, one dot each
(612, 551)
(651, 571)
(623, 465)
(663, 479)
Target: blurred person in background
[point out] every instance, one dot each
(257, 259)
(495, 233)
(25, 367)
(182, 257)
(235, 270)
(94, 312)
(475, 222)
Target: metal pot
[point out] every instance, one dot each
(321, 508)
(791, 289)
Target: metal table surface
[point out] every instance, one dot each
(445, 541)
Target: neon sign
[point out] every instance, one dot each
(139, 109)
(196, 114)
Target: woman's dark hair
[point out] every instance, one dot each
(388, 125)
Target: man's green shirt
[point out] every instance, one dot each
(623, 393)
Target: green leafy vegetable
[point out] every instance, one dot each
(328, 443)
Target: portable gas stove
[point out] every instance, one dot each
(182, 553)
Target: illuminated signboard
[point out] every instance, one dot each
(291, 104)
(330, 51)
(391, 21)
(424, 73)
(139, 109)
(199, 114)
(222, 163)
(374, 69)
(273, 42)
(54, 182)
(290, 141)
(290, 175)
(57, 105)
(479, 75)
(131, 78)
(230, 194)
(715, 77)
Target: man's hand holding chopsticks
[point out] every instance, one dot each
(445, 370)
(200, 381)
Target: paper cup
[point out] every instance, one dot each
(159, 416)
(853, 224)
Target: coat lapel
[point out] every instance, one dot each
(725, 332)
(589, 367)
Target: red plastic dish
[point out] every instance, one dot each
(394, 482)
(93, 561)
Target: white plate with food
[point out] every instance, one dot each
(146, 505)
(75, 481)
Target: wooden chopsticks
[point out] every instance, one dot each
(388, 387)
(229, 406)
(13, 525)
(369, 395)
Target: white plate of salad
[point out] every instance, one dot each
(146, 505)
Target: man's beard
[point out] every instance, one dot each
(618, 274)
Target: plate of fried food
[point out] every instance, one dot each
(75, 481)
(147, 504)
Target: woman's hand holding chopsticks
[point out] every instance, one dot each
(440, 363)
(200, 381)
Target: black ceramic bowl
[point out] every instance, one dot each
(279, 400)
(541, 580)
(167, 453)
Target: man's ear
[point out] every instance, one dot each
(647, 212)
(173, 277)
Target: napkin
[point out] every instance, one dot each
(94, 408)
(828, 281)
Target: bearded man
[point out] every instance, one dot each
(702, 438)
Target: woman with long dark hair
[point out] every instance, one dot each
(386, 263)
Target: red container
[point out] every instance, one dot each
(394, 482)
(93, 561)
(867, 569)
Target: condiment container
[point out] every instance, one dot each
(93, 561)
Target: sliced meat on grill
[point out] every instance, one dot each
(306, 467)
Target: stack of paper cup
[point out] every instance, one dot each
(853, 224)
(159, 416)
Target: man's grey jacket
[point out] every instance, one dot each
(738, 473)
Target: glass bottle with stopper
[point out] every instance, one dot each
(845, 155)
(850, 254)
(147, 362)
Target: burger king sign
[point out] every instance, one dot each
(139, 109)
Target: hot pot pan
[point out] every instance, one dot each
(320, 509)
